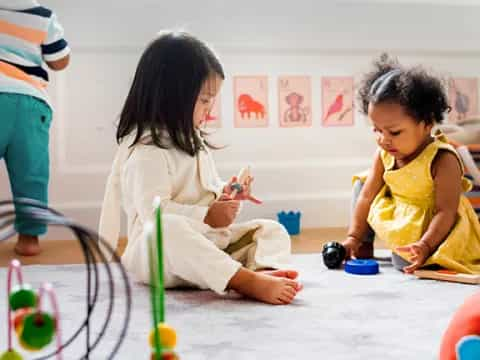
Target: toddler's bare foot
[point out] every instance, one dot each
(277, 290)
(27, 245)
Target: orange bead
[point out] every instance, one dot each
(18, 317)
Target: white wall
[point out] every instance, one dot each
(305, 169)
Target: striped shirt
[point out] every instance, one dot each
(30, 35)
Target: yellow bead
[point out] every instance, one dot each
(168, 336)
(11, 355)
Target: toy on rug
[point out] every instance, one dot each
(291, 221)
(448, 275)
(461, 340)
(163, 337)
(36, 328)
(334, 255)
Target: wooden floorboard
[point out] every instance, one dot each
(69, 252)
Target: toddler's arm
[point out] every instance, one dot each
(55, 50)
(447, 176)
(359, 226)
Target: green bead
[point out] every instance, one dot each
(38, 330)
(11, 355)
(22, 296)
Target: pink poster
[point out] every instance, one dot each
(294, 101)
(463, 98)
(251, 101)
(337, 101)
(214, 118)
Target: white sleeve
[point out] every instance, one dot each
(147, 175)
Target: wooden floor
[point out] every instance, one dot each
(69, 252)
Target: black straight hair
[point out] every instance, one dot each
(162, 98)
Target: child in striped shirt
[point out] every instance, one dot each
(31, 39)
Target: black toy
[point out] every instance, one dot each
(333, 254)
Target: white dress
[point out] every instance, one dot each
(193, 251)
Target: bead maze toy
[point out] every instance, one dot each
(163, 337)
(36, 328)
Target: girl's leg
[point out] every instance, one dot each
(27, 160)
(191, 258)
(267, 246)
(366, 249)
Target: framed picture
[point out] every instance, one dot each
(294, 101)
(251, 101)
(463, 98)
(337, 101)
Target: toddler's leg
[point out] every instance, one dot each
(366, 249)
(27, 159)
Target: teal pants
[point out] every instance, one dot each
(24, 137)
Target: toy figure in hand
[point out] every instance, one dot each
(239, 187)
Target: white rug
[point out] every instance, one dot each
(337, 316)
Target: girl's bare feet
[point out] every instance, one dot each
(27, 245)
(269, 288)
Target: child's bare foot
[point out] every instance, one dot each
(27, 245)
(289, 274)
(277, 290)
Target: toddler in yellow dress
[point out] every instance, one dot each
(412, 198)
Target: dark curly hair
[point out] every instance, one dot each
(421, 95)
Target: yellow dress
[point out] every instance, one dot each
(402, 211)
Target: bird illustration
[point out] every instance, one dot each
(335, 107)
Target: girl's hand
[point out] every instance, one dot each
(245, 194)
(222, 212)
(419, 251)
(352, 245)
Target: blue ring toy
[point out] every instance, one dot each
(361, 267)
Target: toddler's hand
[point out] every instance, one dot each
(352, 245)
(245, 194)
(222, 212)
(419, 251)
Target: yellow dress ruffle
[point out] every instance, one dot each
(404, 208)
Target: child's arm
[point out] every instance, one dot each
(239, 187)
(55, 49)
(447, 177)
(359, 226)
(147, 175)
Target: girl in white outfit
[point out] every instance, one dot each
(163, 154)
